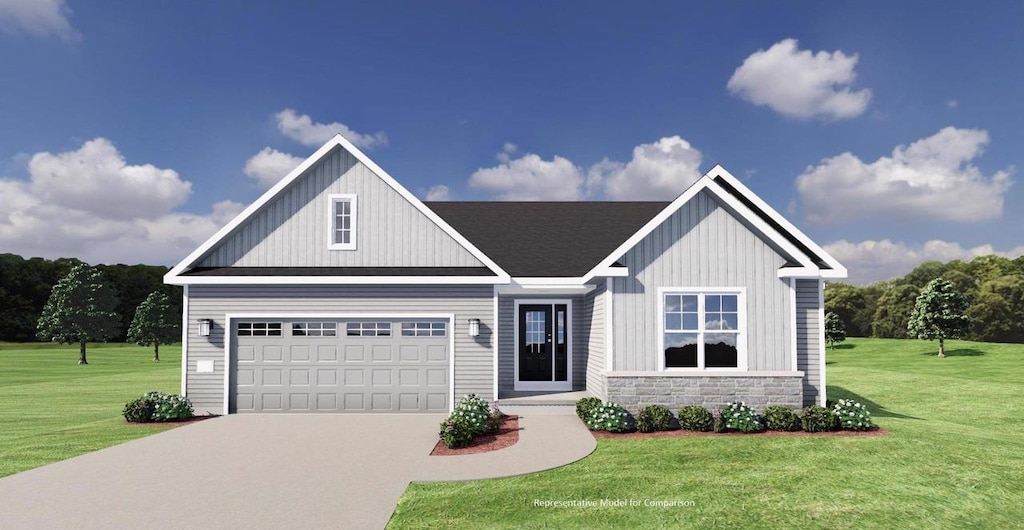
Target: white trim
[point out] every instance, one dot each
(539, 385)
(516, 288)
(228, 334)
(741, 324)
(333, 280)
(612, 272)
(609, 321)
(821, 338)
(332, 213)
(173, 276)
(706, 373)
(184, 341)
(531, 281)
(792, 324)
(494, 344)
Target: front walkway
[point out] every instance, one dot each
(268, 471)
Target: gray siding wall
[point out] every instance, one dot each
(595, 305)
(809, 339)
(701, 245)
(293, 229)
(507, 340)
(474, 369)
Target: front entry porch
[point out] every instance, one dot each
(542, 398)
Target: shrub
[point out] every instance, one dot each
(779, 418)
(654, 418)
(138, 410)
(456, 431)
(696, 418)
(737, 416)
(587, 405)
(476, 411)
(819, 419)
(169, 407)
(609, 417)
(852, 415)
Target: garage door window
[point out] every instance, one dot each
(368, 329)
(424, 329)
(314, 329)
(259, 329)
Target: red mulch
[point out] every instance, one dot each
(176, 423)
(507, 435)
(681, 432)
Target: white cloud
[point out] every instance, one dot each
(507, 151)
(952, 103)
(932, 179)
(531, 178)
(302, 129)
(61, 212)
(37, 17)
(439, 192)
(800, 84)
(270, 165)
(95, 178)
(658, 171)
(870, 261)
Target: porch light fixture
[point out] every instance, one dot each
(474, 327)
(204, 327)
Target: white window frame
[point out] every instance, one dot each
(335, 199)
(701, 292)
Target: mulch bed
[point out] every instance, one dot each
(507, 435)
(681, 433)
(176, 423)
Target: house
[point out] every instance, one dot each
(340, 291)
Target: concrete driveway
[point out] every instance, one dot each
(266, 471)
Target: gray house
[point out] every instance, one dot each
(339, 291)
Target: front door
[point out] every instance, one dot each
(543, 352)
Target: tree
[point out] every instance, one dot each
(835, 331)
(893, 311)
(80, 309)
(940, 313)
(997, 310)
(854, 305)
(155, 323)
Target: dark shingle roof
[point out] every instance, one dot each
(547, 239)
(339, 271)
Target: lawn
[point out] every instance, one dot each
(52, 409)
(954, 459)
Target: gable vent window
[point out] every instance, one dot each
(314, 329)
(368, 329)
(259, 329)
(343, 222)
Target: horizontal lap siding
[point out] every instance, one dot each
(293, 230)
(473, 358)
(808, 338)
(701, 245)
(507, 340)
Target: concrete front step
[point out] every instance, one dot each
(545, 409)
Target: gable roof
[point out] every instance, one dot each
(547, 239)
(177, 275)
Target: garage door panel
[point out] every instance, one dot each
(304, 369)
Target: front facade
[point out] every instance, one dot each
(339, 291)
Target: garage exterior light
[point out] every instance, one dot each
(474, 327)
(204, 327)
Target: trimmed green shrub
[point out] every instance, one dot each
(587, 405)
(779, 418)
(654, 418)
(476, 411)
(819, 419)
(852, 415)
(609, 417)
(456, 431)
(138, 410)
(696, 418)
(737, 416)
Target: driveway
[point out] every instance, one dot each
(267, 471)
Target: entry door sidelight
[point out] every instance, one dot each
(544, 346)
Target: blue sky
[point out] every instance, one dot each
(890, 132)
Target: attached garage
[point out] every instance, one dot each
(340, 365)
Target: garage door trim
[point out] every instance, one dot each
(230, 319)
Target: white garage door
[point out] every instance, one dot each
(340, 365)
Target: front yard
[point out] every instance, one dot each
(952, 459)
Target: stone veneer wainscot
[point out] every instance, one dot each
(676, 390)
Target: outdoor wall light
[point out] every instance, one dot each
(474, 327)
(204, 327)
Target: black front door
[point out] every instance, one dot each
(543, 343)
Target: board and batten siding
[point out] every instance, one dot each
(594, 367)
(474, 368)
(808, 338)
(294, 229)
(702, 244)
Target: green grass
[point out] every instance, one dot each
(953, 459)
(52, 409)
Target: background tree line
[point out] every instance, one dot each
(26, 284)
(993, 286)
